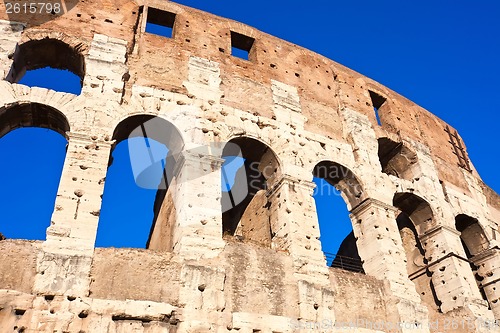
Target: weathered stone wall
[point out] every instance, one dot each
(271, 276)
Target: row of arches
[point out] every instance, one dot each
(48, 63)
(250, 171)
(258, 167)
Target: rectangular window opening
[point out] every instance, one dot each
(377, 102)
(160, 22)
(241, 45)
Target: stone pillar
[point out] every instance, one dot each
(105, 70)
(380, 246)
(452, 276)
(295, 229)
(488, 264)
(294, 225)
(63, 265)
(10, 34)
(197, 200)
(381, 250)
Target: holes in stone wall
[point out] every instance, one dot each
(160, 22)
(141, 165)
(19, 312)
(33, 146)
(241, 45)
(48, 63)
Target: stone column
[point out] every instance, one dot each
(381, 250)
(63, 265)
(9, 37)
(488, 264)
(380, 246)
(295, 229)
(452, 276)
(197, 200)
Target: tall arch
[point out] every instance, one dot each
(33, 145)
(245, 204)
(472, 234)
(414, 218)
(474, 242)
(50, 53)
(334, 180)
(143, 159)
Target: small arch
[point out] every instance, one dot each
(244, 203)
(472, 234)
(32, 115)
(33, 144)
(397, 159)
(43, 54)
(337, 191)
(143, 159)
(417, 209)
(343, 180)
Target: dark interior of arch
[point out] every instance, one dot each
(416, 261)
(342, 179)
(396, 159)
(417, 209)
(46, 52)
(259, 170)
(472, 234)
(32, 115)
(162, 131)
(347, 256)
(474, 241)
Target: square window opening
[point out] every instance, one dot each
(377, 102)
(241, 45)
(160, 22)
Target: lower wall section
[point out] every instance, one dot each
(121, 274)
(246, 289)
(18, 264)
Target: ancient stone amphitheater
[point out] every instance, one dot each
(425, 224)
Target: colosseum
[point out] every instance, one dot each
(425, 225)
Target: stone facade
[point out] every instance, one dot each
(421, 215)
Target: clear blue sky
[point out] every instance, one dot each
(443, 55)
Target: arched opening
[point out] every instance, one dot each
(397, 159)
(33, 148)
(48, 63)
(414, 218)
(474, 241)
(251, 167)
(337, 191)
(135, 212)
(417, 209)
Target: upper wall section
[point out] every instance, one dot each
(324, 87)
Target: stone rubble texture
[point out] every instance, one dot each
(307, 109)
